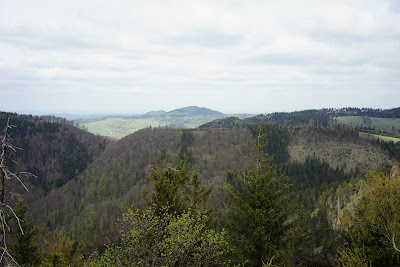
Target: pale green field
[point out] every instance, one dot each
(118, 127)
(388, 125)
(384, 138)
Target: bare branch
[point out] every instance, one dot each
(4, 223)
(16, 177)
(394, 245)
(28, 174)
(16, 163)
(5, 250)
(18, 219)
(12, 148)
(15, 148)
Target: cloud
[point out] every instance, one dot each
(248, 56)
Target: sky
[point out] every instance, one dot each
(232, 56)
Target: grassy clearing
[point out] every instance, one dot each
(383, 138)
(389, 125)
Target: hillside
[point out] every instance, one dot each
(87, 182)
(388, 125)
(52, 148)
(194, 111)
(90, 205)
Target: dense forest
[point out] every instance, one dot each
(298, 190)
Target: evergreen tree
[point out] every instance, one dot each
(62, 249)
(177, 189)
(24, 246)
(172, 230)
(257, 219)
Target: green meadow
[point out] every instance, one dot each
(381, 137)
(389, 125)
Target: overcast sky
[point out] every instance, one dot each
(231, 56)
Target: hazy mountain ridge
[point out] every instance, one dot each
(120, 126)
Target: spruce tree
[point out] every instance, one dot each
(24, 247)
(176, 189)
(257, 219)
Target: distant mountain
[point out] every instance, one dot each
(156, 113)
(193, 111)
(184, 112)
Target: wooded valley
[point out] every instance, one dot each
(304, 188)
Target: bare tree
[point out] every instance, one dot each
(6, 174)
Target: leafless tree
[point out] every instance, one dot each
(6, 174)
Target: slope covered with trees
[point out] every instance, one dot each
(90, 205)
(324, 165)
(51, 148)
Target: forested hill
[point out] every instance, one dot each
(84, 187)
(369, 112)
(90, 205)
(52, 148)
(375, 121)
(305, 117)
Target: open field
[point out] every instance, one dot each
(389, 125)
(120, 126)
(381, 137)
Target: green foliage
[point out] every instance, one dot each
(176, 189)
(354, 257)
(62, 251)
(150, 239)
(172, 230)
(187, 139)
(257, 219)
(374, 225)
(24, 246)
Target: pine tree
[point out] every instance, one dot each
(24, 247)
(257, 219)
(177, 189)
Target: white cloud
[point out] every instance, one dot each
(234, 56)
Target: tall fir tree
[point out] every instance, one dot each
(24, 247)
(257, 218)
(176, 189)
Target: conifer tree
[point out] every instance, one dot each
(257, 219)
(24, 247)
(176, 189)
(172, 230)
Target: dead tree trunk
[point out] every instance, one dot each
(2, 178)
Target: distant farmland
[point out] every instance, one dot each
(389, 125)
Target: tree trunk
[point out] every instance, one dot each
(2, 178)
